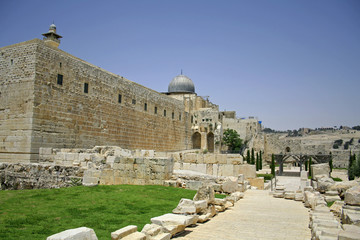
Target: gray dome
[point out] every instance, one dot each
(52, 26)
(181, 84)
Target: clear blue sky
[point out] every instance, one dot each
(290, 63)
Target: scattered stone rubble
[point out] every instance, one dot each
(189, 212)
(340, 221)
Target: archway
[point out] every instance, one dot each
(196, 140)
(210, 142)
(287, 149)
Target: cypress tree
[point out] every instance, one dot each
(310, 172)
(260, 161)
(331, 163)
(248, 156)
(352, 159)
(273, 164)
(257, 161)
(306, 165)
(252, 157)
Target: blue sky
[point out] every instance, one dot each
(292, 64)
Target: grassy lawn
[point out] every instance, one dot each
(37, 214)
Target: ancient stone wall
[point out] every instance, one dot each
(17, 73)
(100, 165)
(309, 144)
(211, 164)
(113, 165)
(32, 175)
(52, 99)
(247, 128)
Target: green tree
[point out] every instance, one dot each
(248, 156)
(306, 165)
(354, 170)
(232, 140)
(252, 157)
(351, 170)
(310, 163)
(331, 163)
(273, 164)
(260, 161)
(257, 162)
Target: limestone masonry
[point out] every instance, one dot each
(51, 99)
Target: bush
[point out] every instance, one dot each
(266, 176)
(337, 179)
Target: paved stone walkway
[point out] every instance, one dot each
(258, 216)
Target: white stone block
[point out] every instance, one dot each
(121, 233)
(82, 233)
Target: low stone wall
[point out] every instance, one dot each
(28, 176)
(211, 164)
(113, 165)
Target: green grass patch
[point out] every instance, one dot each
(337, 179)
(266, 176)
(37, 214)
(222, 196)
(329, 204)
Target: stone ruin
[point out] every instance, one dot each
(342, 219)
(109, 165)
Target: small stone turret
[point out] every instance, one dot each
(51, 37)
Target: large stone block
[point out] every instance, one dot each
(230, 185)
(185, 206)
(82, 233)
(175, 219)
(205, 192)
(320, 169)
(352, 196)
(257, 182)
(123, 232)
(249, 171)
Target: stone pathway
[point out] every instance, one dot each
(258, 216)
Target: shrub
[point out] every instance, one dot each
(337, 179)
(266, 176)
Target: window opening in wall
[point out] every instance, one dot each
(179, 116)
(60, 79)
(60, 65)
(155, 110)
(164, 113)
(12, 62)
(192, 119)
(172, 115)
(134, 101)
(86, 88)
(119, 98)
(145, 107)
